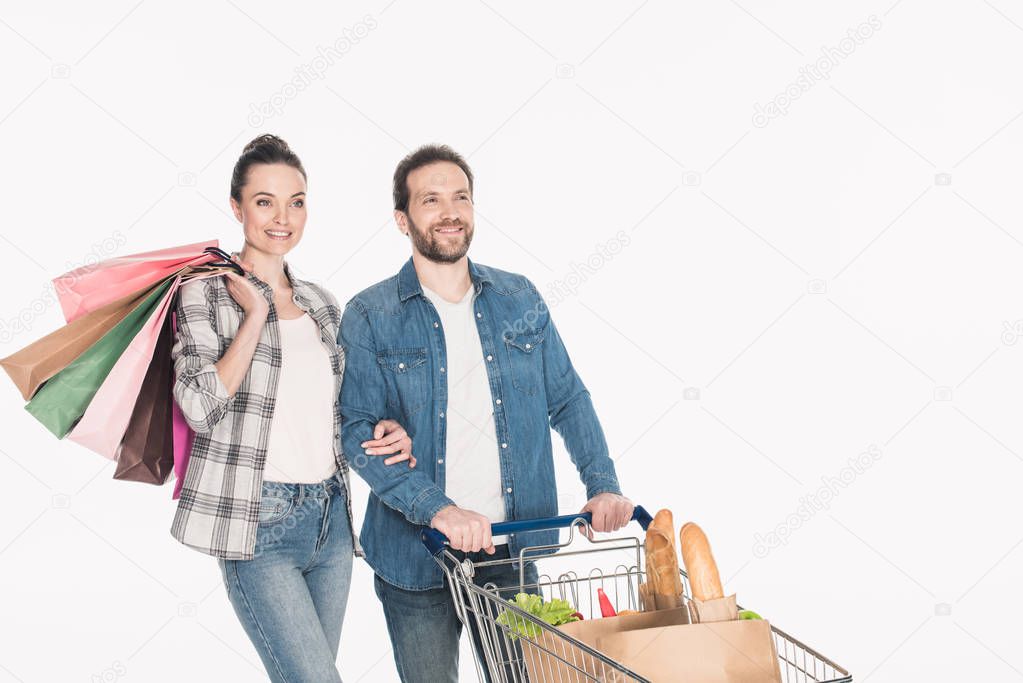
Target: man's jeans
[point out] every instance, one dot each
(424, 628)
(291, 596)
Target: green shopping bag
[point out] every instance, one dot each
(60, 403)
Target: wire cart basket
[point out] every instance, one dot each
(508, 657)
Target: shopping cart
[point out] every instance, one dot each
(508, 657)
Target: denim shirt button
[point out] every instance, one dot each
(440, 461)
(442, 414)
(436, 324)
(479, 315)
(504, 445)
(442, 370)
(508, 489)
(490, 358)
(498, 401)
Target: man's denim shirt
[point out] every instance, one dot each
(395, 368)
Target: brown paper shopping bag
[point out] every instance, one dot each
(707, 611)
(549, 657)
(663, 645)
(651, 601)
(719, 652)
(41, 360)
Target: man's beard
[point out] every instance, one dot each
(429, 244)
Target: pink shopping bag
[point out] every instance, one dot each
(183, 436)
(93, 286)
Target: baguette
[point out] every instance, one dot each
(700, 566)
(662, 556)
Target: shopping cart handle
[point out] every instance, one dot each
(435, 540)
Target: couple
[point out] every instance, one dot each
(285, 394)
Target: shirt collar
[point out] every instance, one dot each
(408, 280)
(299, 287)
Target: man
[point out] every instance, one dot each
(467, 358)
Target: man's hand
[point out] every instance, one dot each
(466, 530)
(390, 437)
(610, 511)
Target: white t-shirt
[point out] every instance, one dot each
(301, 444)
(471, 459)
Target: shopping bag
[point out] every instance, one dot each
(740, 651)
(663, 646)
(183, 436)
(93, 286)
(41, 360)
(146, 454)
(550, 657)
(106, 418)
(63, 399)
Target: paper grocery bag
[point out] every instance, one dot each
(719, 652)
(552, 658)
(652, 601)
(706, 611)
(146, 453)
(41, 360)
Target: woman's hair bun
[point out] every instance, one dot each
(267, 140)
(265, 149)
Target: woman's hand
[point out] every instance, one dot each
(234, 364)
(247, 294)
(390, 438)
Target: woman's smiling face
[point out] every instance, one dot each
(272, 209)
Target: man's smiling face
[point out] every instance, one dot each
(440, 211)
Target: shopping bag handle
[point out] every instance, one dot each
(226, 260)
(435, 540)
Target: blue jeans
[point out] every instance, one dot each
(291, 597)
(425, 629)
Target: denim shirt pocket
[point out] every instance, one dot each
(525, 360)
(408, 378)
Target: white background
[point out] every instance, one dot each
(844, 277)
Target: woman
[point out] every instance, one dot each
(258, 375)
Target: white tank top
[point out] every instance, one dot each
(301, 445)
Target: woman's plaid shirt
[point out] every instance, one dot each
(218, 511)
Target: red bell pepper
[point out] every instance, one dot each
(606, 609)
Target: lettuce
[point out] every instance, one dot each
(554, 612)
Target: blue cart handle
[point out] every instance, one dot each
(435, 540)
